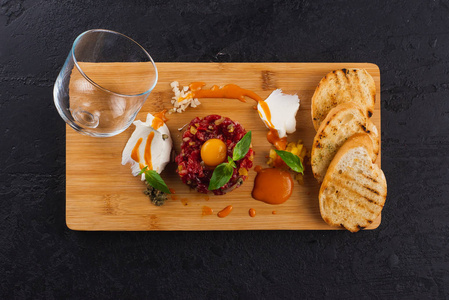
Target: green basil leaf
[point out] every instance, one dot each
(155, 180)
(220, 176)
(231, 162)
(291, 160)
(242, 147)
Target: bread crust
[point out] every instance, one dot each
(341, 122)
(340, 86)
(354, 189)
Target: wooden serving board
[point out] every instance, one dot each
(103, 195)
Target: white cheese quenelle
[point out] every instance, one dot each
(149, 145)
(283, 109)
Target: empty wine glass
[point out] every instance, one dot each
(104, 82)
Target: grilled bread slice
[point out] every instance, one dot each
(339, 86)
(354, 189)
(341, 123)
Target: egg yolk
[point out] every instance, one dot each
(213, 152)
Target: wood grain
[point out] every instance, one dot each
(101, 194)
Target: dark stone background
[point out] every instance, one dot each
(406, 257)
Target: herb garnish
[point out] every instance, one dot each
(223, 172)
(293, 161)
(155, 180)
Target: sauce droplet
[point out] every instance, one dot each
(184, 202)
(272, 186)
(225, 211)
(273, 212)
(207, 211)
(252, 212)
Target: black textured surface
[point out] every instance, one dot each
(406, 257)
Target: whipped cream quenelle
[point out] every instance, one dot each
(283, 109)
(149, 145)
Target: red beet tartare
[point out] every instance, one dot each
(193, 171)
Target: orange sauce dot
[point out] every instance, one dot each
(273, 212)
(272, 186)
(207, 211)
(225, 211)
(252, 212)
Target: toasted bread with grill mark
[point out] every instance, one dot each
(340, 86)
(354, 189)
(341, 122)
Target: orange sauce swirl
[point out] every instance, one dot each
(272, 186)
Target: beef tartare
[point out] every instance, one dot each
(195, 167)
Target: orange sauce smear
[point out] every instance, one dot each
(159, 119)
(135, 154)
(266, 111)
(147, 154)
(225, 211)
(272, 186)
(275, 140)
(207, 211)
(252, 212)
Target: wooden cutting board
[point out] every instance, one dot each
(101, 194)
